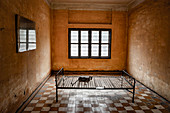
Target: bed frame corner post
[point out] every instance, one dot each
(122, 79)
(63, 71)
(56, 88)
(133, 91)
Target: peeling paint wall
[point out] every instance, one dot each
(22, 72)
(148, 45)
(61, 19)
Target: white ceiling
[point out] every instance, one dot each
(121, 5)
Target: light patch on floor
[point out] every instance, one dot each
(96, 101)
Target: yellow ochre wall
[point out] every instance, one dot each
(64, 19)
(22, 72)
(148, 58)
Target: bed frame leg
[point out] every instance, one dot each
(133, 91)
(62, 72)
(56, 94)
(56, 90)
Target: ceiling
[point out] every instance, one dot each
(120, 5)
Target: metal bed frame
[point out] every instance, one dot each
(121, 82)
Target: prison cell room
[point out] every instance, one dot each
(84, 56)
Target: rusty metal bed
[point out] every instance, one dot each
(121, 82)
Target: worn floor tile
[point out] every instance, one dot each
(95, 101)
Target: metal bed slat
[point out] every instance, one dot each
(97, 81)
(103, 83)
(69, 82)
(112, 83)
(117, 82)
(81, 84)
(108, 83)
(66, 83)
(93, 84)
(100, 82)
(77, 84)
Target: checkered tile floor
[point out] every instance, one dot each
(96, 101)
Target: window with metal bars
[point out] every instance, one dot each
(89, 43)
(26, 40)
(25, 34)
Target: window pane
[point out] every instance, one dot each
(22, 47)
(31, 46)
(105, 37)
(95, 37)
(74, 49)
(104, 49)
(95, 50)
(23, 34)
(74, 36)
(32, 35)
(84, 36)
(84, 49)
